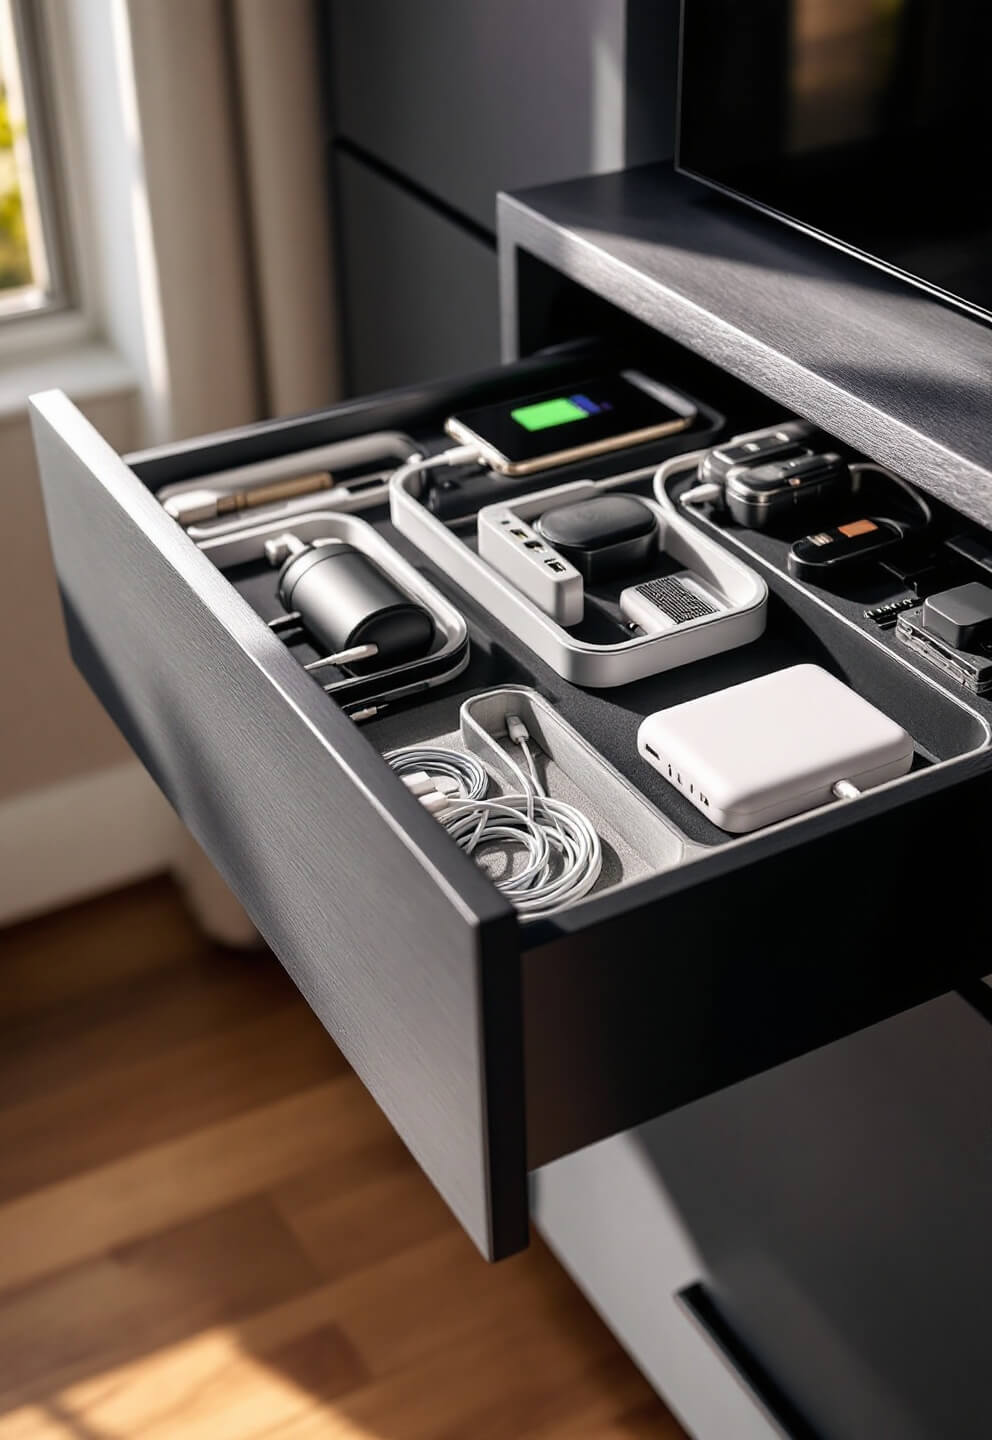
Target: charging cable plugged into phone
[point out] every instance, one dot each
(529, 434)
(538, 432)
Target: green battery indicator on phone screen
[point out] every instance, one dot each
(562, 410)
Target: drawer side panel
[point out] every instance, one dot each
(407, 955)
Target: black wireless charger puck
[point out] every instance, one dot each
(605, 536)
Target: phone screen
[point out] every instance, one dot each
(591, 415)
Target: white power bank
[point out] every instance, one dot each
(773, 747)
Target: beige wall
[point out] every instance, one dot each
(51, 727)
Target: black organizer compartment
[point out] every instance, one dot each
(848, 599)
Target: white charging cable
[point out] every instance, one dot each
(702, 494)
(417, 464)
(563, 854)
(519, 734)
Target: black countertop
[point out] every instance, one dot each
(877, 362)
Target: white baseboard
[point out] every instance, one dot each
(81, 837)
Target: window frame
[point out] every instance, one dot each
(61, 314)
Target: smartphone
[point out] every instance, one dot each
(519, 437)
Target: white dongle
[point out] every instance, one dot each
(668, 602)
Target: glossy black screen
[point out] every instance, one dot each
(866, 120)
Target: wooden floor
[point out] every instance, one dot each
(208, 1230)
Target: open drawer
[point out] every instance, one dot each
(492, 1046)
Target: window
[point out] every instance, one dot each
(32, 253)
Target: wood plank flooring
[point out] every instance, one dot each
(208, 1231)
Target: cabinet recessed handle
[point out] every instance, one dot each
(700, 1305)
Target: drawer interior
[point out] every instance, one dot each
(615, 1032)
(798, 630)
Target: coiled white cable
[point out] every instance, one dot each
(564, 856)
(563, 852)
(458, 765)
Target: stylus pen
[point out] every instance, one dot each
(195, 506)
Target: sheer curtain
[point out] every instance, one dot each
(230, 119)
(232, 127)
